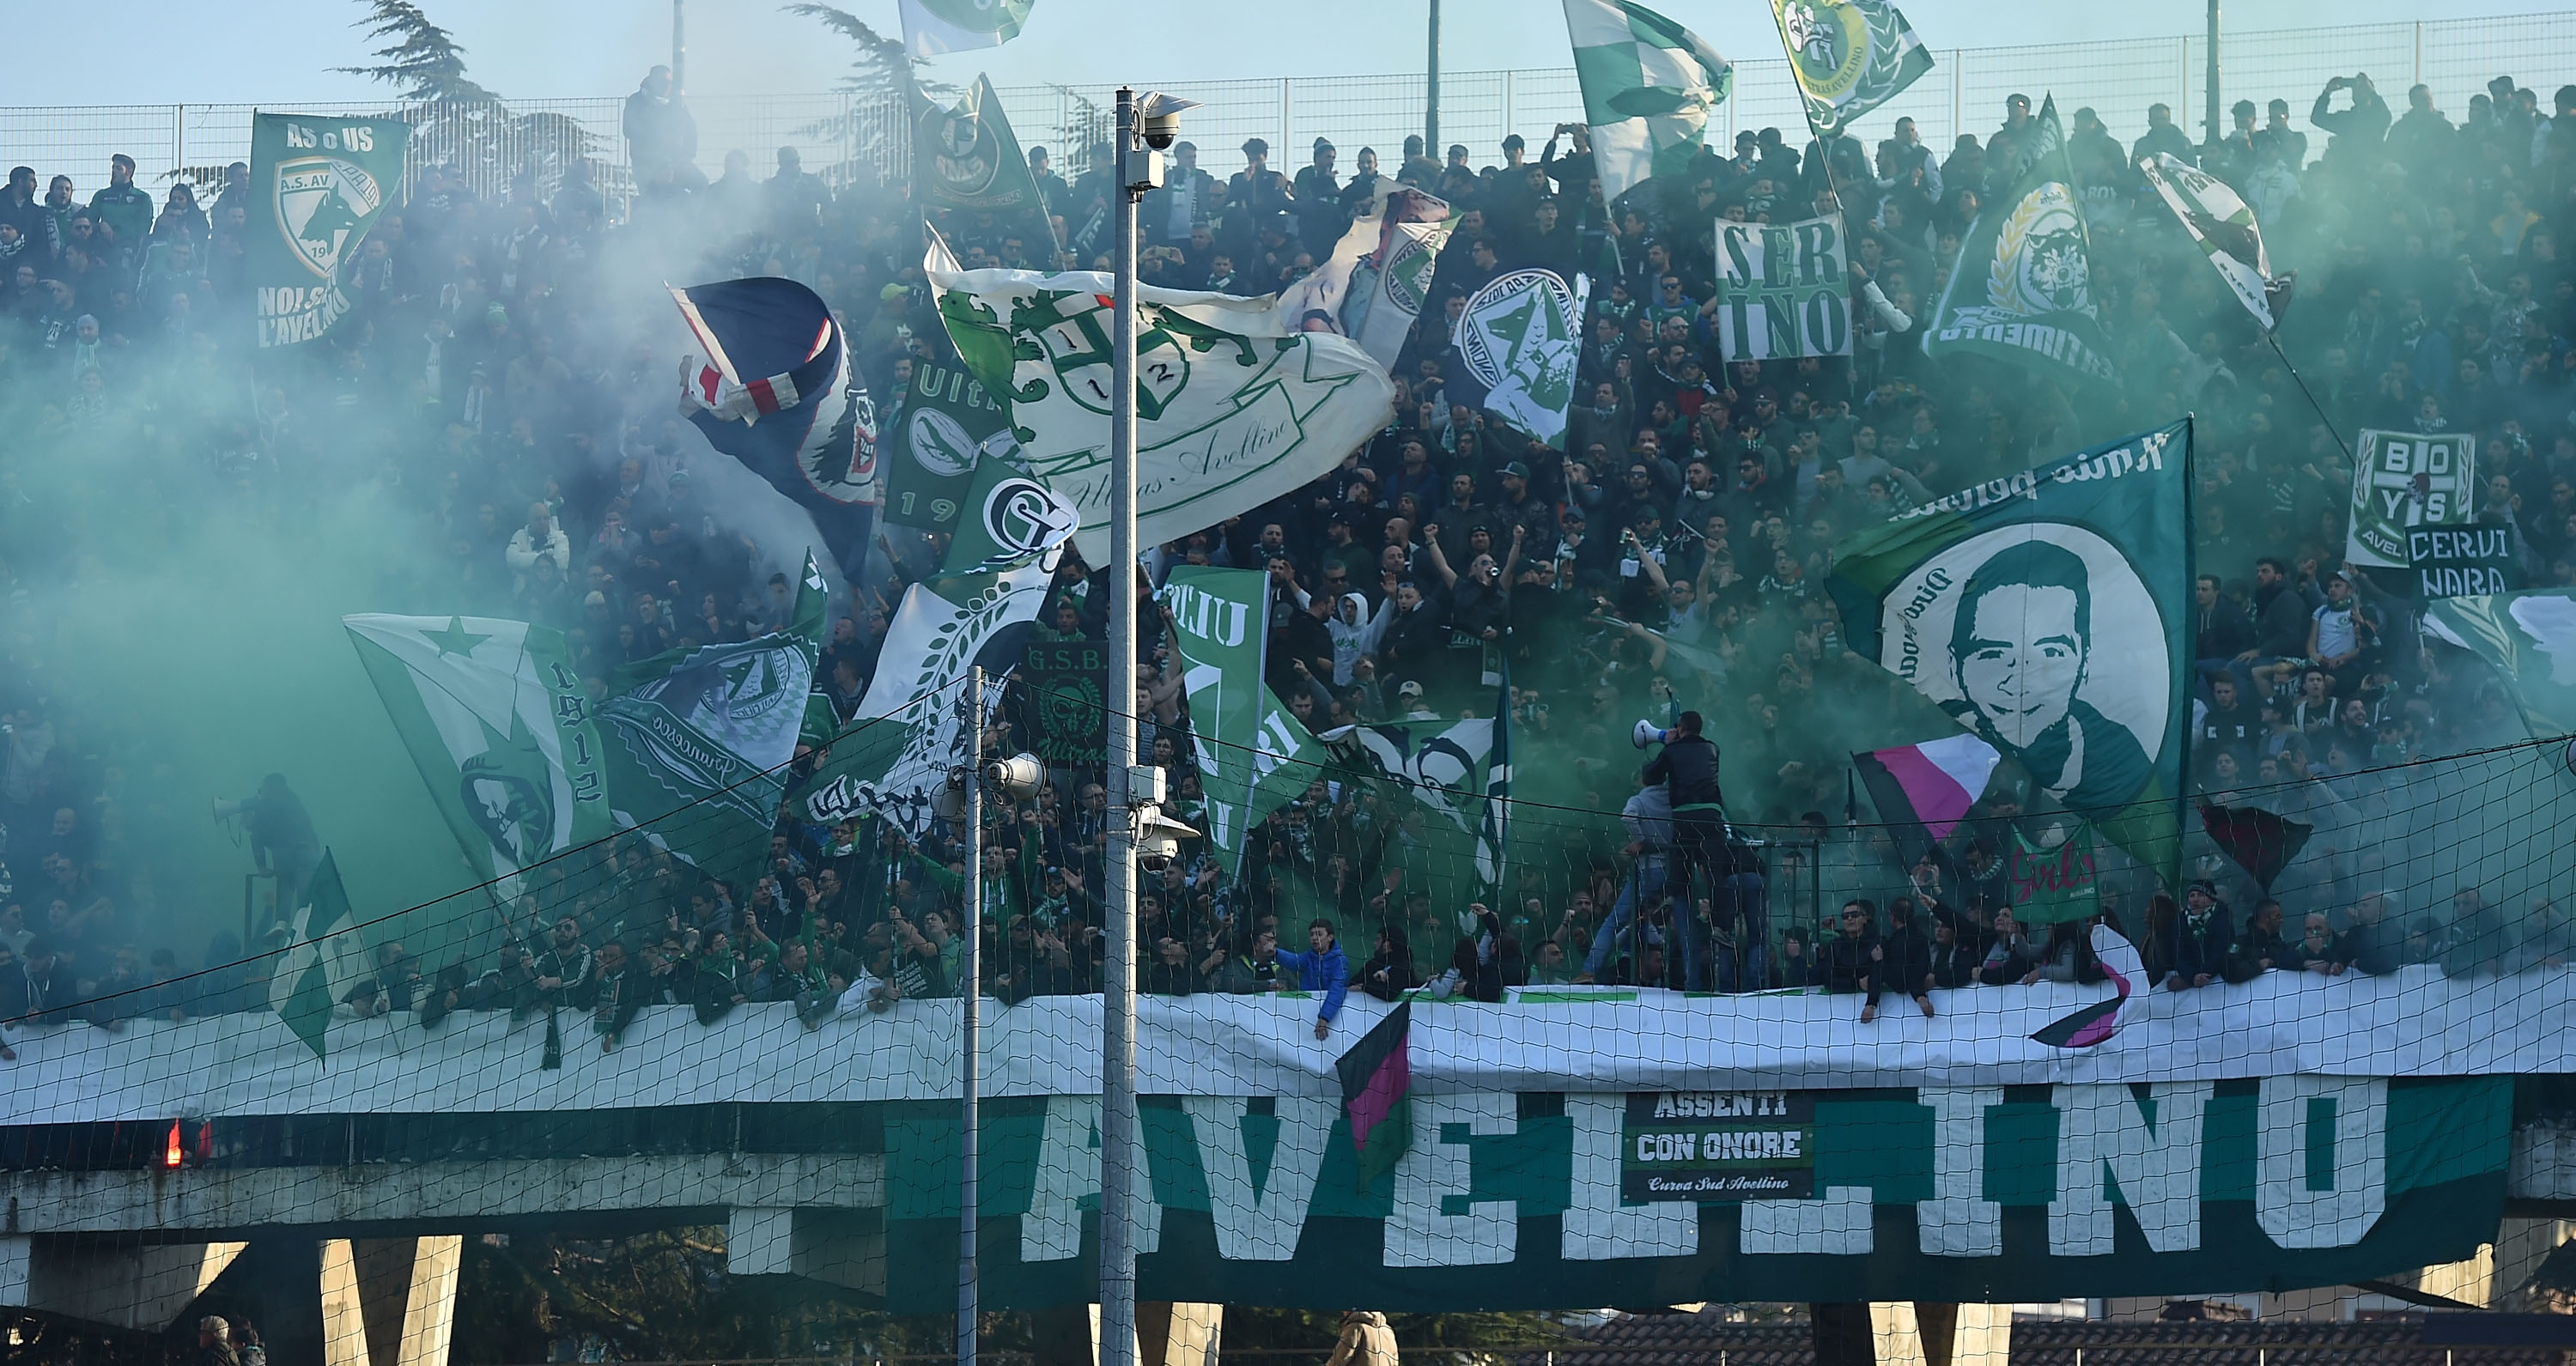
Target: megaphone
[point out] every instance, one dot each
(1648, 733)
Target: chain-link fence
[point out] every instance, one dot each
(853, 134)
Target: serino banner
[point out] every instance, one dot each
(325, 182)
(1783, 289)
(2403, 481)
(1563, 1200)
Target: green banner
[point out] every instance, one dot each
(2022, 290)
(700, 738)
(2529, 639)
(966, 159)
(2050, 612)
(947, 424)
(1218, 631)
(1066, 683)
(1511, 1201)
(324, 182)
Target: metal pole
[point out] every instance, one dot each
(970, 985)
(1118, 989)
(1431, 99)
(2215, 130)
(679, 49)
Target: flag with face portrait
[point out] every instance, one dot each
(2049, 612)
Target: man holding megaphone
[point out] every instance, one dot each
(1688, 770)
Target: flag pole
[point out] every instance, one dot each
(969, 989)
(2272, 336)
(1117, 1339)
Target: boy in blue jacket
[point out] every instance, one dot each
(1322, 968)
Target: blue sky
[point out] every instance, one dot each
(164, 51)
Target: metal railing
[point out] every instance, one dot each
(844, 135)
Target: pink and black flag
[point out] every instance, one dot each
(1931, 785)
(1377, 1093)
(2099, 1021)
(2261, 842)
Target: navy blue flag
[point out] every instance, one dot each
(777, 392)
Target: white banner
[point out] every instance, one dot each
(1232, 408)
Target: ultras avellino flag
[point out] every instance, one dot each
(2022, 290)
(2050, 613)
(322, 183)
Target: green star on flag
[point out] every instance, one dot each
(1648, 87)
(455, 640)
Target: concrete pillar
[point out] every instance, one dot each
(1167, 1334)
(143, 1286)
(389, 1301)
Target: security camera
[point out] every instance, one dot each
(1158, 118)
(1016, 777)
(1158, 839)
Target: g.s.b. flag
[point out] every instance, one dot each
(2022, 290)
(1377, 1093)
(322, 182)
(778, 393)
(2049, 612)
(1849, 56)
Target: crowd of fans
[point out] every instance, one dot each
(494, 383)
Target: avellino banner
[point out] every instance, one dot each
(1783, 289)
(324, 181)
(2405, 480)
(1561, 1200)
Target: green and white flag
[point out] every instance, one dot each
(500, 727)
(2050, 612)
(1522, 338)
(2022, 290)
(1849, 56)
(946, 425)
(2529, 639)
(893, 758)
(1008, 517)
(699, 738)
(1648, 87)
(1232, 408)
(931, 27)
(2407, 481)
(2225, 229)
(1783, 289)
(967, 159)
(1253, 755)
(1378, 278)
(324, 182)
(326, 957)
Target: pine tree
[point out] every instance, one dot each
(422, 61)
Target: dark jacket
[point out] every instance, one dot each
(1688, 770)
(2203, 949)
